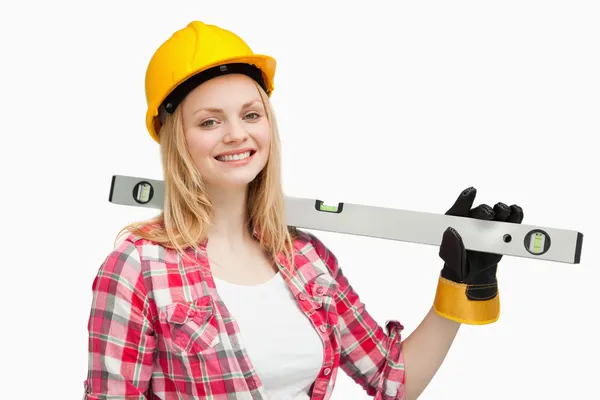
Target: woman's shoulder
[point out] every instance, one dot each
(131, 262)
(138, 240)
(304, 238)
(130, 248)
(310, 244)
(121, 268)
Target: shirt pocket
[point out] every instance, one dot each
(190, 327)
(322, 291)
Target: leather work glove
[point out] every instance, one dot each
(467, 289)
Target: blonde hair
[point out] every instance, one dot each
(187, 212)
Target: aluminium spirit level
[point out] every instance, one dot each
(543, 243)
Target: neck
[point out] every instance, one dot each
(230, 214)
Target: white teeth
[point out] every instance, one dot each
(234, 157)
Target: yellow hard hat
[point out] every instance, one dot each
(193, 55)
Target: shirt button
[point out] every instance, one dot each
(327, 371)
(302, 296)
(323, 328)
(320, 290)
(191, 313)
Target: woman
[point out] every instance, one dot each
(216, 297)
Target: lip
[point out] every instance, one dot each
(237, 151)
(237, 163)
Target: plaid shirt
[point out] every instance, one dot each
(158, 329)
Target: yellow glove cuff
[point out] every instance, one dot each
(451, 302)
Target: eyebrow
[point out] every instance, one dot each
(218, 110)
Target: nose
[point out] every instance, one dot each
(236, 132)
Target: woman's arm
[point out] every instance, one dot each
(424, 351)
(121, 337)
(375, 357)
(467, 292)
(370, 354)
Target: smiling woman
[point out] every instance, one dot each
(228, 136)
(217, 297)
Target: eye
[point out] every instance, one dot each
(205, 124)
(253, 113)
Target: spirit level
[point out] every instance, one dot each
(543, 243)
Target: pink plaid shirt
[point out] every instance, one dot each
(158, 329)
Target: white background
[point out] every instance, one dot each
(399, 105)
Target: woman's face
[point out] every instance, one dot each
(227, 131)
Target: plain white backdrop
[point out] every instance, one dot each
(380, 103)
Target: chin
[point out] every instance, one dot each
(235, 179)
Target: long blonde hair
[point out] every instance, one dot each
(187, 211)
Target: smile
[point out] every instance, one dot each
(236, 157)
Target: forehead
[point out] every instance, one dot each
(225, 91)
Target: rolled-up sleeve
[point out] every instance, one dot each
(121, 337)
(371, 355)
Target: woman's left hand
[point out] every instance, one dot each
(468, 290)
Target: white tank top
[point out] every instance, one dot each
(281, 341)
